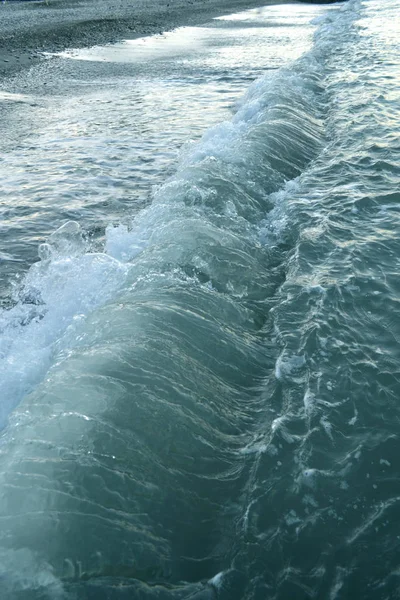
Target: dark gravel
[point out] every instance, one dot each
(29, 28)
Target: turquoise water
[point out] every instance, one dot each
(204, 402)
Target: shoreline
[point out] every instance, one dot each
(30, 28)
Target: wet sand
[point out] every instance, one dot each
(27, 29)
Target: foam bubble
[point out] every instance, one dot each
(289, 367)
(56, 294)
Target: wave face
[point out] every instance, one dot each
(217, 416)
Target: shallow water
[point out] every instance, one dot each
(202, 401)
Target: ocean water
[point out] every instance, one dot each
(199, 377)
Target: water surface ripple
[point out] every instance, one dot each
(206, 406)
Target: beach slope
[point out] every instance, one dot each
(29, 28)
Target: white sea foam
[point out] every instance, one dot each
(217, 580)
(21, 572)
(56, 295)
(289, 367)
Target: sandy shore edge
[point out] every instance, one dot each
(27, 29)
